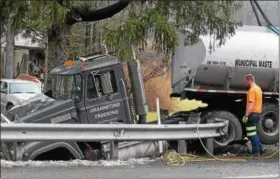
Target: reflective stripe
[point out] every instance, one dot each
(251, 133)
(226, 91)
(251, 128)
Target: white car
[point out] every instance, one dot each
(14, 92)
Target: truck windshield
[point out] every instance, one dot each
(67, 87)
(24, 88)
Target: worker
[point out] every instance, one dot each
(253, 112)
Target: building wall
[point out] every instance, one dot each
(17, 59)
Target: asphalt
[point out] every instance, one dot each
(155, 170)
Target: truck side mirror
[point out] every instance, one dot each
(106, 83)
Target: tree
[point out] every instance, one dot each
(163, 19)
(12, 13)
(138, 19)
(64, 14)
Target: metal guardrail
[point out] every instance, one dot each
(20, 132)
(17, 132)
(4, 118)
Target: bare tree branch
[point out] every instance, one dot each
(2, 42)
(34, 35)
(37, 35)
(85, 14)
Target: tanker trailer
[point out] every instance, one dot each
(217, 79)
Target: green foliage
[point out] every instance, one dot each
(77, 39)
(163, 19)
(13, 12)
(43, 14)
(29, 14)
(142, 19)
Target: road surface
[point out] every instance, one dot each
(157, 169)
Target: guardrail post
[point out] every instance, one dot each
(114, 150)
(14, 151)
(210, 142)
(160, 144)
(182, 145)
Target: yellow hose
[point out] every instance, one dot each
(175, 159)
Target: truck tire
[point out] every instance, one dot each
(235, 131)
(9, 106)
(268, 125)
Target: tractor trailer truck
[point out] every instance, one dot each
(92, 89)
(216, 78)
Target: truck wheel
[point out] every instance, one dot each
(268, 125)
(9, 106)
(234, 130)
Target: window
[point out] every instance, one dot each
(113, 81)
(3, 86)
(91, 89)
(68, 87)
(100, 84)
(23, 88)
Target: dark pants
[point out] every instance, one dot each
(251, 129)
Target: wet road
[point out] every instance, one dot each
(156, 170)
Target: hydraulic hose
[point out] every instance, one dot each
(180, 159)
(273, 28)
(269, 24)
(256, 13)
(262, 13)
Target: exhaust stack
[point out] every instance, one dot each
(137, 86)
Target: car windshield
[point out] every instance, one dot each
(23, 88)
(67, 87)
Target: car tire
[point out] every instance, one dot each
(9, 106)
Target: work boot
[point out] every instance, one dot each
(263, 151)
(253, 155)
(256, 155)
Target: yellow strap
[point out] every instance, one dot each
(251, 128)
(251, 133)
